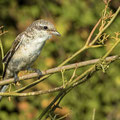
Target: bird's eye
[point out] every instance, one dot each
(45, 27)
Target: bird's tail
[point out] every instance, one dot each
(3, 89)
(6, 73)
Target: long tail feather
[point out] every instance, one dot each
(3, 89)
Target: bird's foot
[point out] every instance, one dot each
(16, 78)
(37, 71)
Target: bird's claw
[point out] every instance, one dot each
(39, 73)
(16, 78)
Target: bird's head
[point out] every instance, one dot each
(44, 28)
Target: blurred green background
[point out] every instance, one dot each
(74, 19)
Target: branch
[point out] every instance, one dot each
(57, 69)
(31, 93)
(2, 53)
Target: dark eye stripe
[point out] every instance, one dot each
(42, 28)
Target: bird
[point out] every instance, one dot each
(26, 48)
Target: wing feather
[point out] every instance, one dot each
(10, 53)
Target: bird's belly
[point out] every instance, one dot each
(25, 56)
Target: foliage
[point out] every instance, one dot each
(74, 19)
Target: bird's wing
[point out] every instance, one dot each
(10, 53)
(14, 47)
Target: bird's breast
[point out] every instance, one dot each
(34, 47)
(28, 52)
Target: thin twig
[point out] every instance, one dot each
(41, 92)
(3, 32)
(2, 52)
(93, 30)
(1, 27)
(109, 23)
(93, 116)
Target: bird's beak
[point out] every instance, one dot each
(56, 33)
